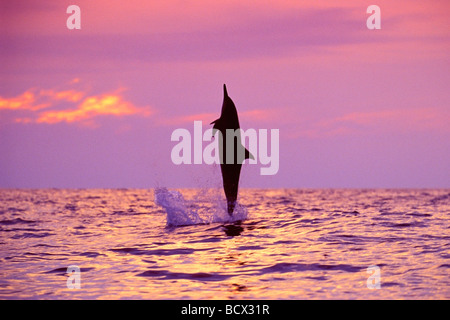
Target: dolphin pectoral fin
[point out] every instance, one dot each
(215, 128)
(248, 155)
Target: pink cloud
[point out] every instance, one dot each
(259, 115)
(422, 118)
(401, 120)
(206, 118)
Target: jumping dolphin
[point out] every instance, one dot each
(231, 167)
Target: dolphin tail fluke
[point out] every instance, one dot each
(230, 207)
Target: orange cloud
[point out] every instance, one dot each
(78, 106)
(67, 95)
(108, 104)
(26, 101)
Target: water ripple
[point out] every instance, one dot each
(286, 244)
(199, 276)
(299, 267)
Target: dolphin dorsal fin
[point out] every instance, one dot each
(248, 155)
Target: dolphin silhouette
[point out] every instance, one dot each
(228, 125)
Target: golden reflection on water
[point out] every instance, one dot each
(295, 244)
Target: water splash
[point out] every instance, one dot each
(182, 212)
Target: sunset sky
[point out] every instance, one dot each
(95, 108)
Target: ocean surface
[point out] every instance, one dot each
(180, 244)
